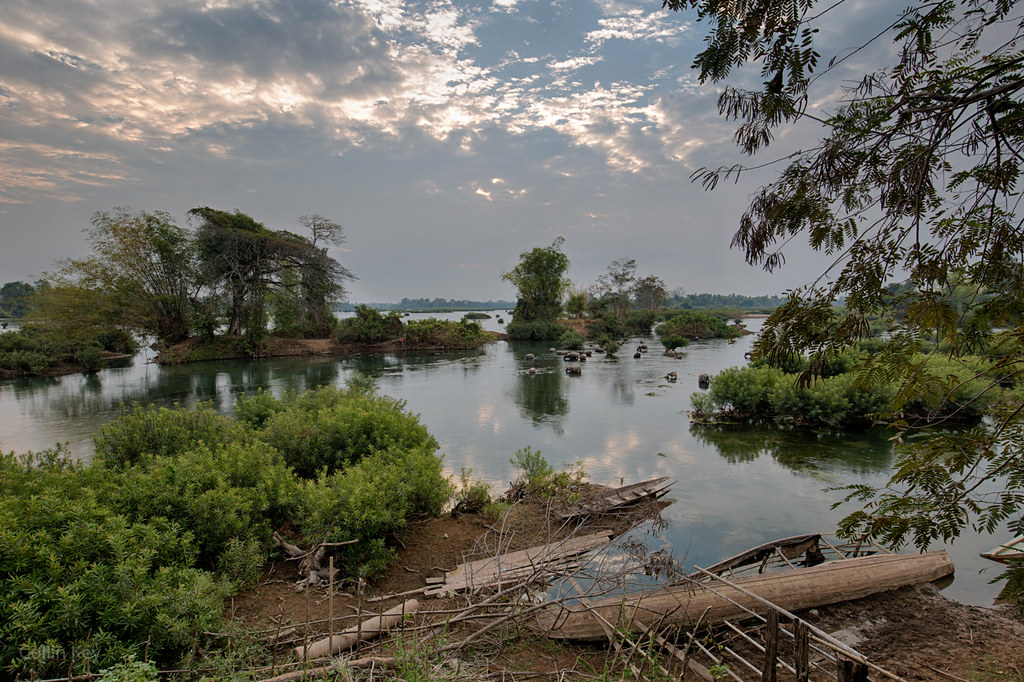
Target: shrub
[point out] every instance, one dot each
(82, 587)
(163, 432)
(672, 341)
(370, 501)
(471, 496)
(571, 339)
(229, 493)
(369, 326)
(745, 392)
(431, 333)
(257, 408)
(334, 428)
(694, 325)
(534, 331)
(539, 478)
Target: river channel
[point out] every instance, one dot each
(736, 487)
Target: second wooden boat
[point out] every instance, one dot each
(793, 590)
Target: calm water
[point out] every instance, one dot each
(736, 487)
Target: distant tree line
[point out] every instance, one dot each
(432, 304)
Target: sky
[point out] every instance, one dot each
(446, 137)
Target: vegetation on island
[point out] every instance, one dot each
(916, 177)
(134, 555)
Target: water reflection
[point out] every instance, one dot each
(809, 452)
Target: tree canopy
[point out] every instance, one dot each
(915, 177)
(540, 280)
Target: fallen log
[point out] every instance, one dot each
(794, 590)
(347, 639)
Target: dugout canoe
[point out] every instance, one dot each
(794, 590)
(1011, 551)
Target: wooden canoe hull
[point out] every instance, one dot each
(793, 590)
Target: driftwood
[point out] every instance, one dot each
(347, 639)
(311, 562)
(514, 566)
(617, 498)
(797, 589)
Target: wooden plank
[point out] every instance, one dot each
(771, 647)
(516, 565)
(793, 590)
(801, 651)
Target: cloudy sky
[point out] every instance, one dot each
(447, 137)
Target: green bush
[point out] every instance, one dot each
(257, 408)
(431, 333)
(370, 501)
(672, 341)
(369, 326)
(222, 494)
(539, 479)
(471, 496)
(571, 340)
(694, 325)
(164, 432)
(334, 428)
(534, 331)
(82, 587)
(745, 392)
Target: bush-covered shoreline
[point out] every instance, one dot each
(135, 553)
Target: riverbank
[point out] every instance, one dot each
(233, 347)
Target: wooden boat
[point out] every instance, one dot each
(618, 498)
(794, 590)
(1011, 551)
(809, 549)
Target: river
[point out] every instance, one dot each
(736, 487)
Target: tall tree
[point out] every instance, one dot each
(143, 270)
(541, 282)
(916, 174)
(616, 286)
(650, 293)
(252, 264)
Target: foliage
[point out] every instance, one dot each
(471, 496)
(616, 286)
(540, 280)
(371, 500)
(147, 431)
(37, 347)
(696, 325)
(576, 302)
(539, 330)
(82, 587)
(248, 265)
(539, 479)
(332, 428)
(135, 554)
(222, 496)
(130, 670)
(650, 293)
(369, 326)
(14, 299)
(916, 176)
(571, 339)
(446, 334)
(610, 345)
(673, 341)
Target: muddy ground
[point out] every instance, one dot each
(916, 633)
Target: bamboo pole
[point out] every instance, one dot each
(364, 630)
